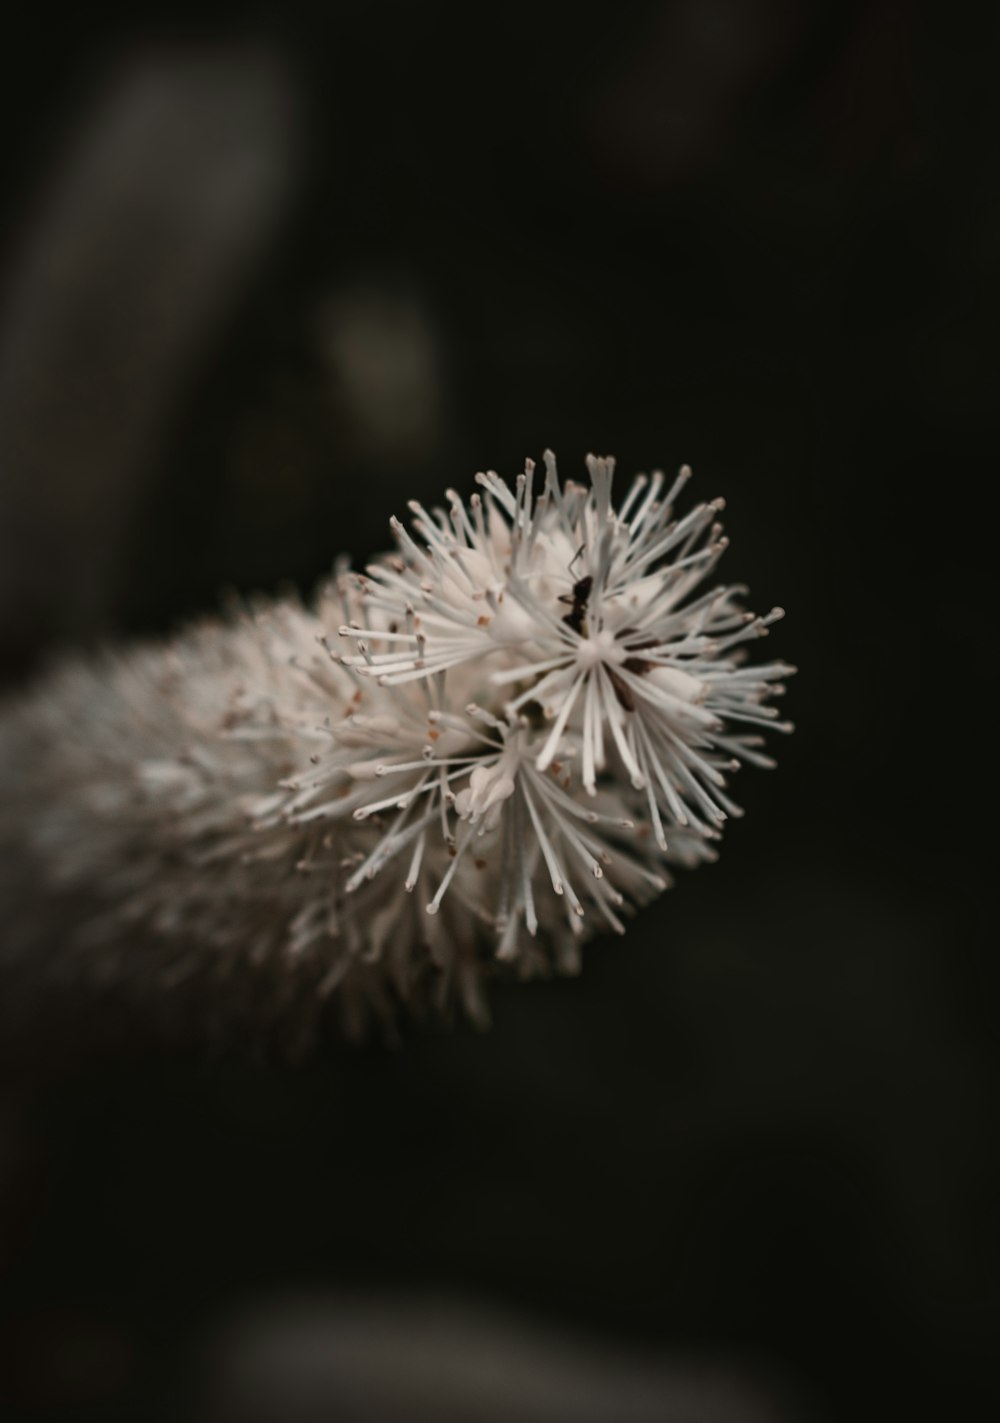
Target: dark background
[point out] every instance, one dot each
(267, 276)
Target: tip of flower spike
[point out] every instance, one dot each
(636, 596)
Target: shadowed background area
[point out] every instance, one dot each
(265, 276)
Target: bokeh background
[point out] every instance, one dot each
(266, 273)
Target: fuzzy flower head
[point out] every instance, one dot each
(493, 743)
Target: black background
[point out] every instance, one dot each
(761, 237)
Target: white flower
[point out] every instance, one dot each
(587, 614)
(536, 716)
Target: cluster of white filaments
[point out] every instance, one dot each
(493, 743)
